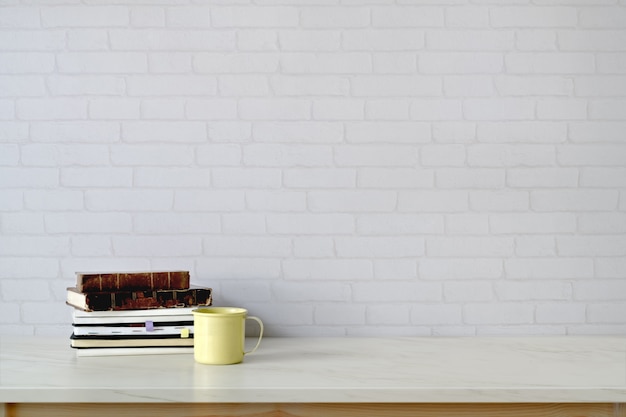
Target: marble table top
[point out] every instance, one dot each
(470, 369)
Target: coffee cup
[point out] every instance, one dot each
(219, 335)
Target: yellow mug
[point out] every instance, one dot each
(219, 335)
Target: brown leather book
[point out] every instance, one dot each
(132, 281)
(138, 300)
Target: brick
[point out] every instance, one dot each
(114, 108)
(20, 18)
(536, 40)
(63, 155)
(309, 291)
(88, 223)
(271, 200)
(33, 40)
(22, 223)
(400, 224)
(216, 155)
(77, 16)
(25, 289)
(172, 40)
(85, 85)
(498, 313)
(16, 132)
(171, 85)
(551, 17)
(437, 314)
(298, 132)
(75, 131)
(574, 200)
(187, 17)
(339, 109)
(387, 315)
(460, 62)
(20, 63)
(387, 109)
(592, 40)
(407, 16)
(274, 109)
(162, 109)
(38, 267)
(389, 132)
(561, 109)
(560, 313)
(339, 314)
(247, 178)
(278, 155)
(535, 246)
(454, 132)
(175, 177)
(96, 177)
(542, 177)
(211, 109)
(309, 40)
(257, 40)
(394, 62)
(9, 155)
(396, 86)
(463, 292)
(510, 155)
(226, 269)
(308, 178)
(603, 86)
(146, 17)
(235, 63)
(247, 17)
(467, 17)
(242, 223)
(287, 85)
(532, 223)
(379, 247)
(591, 245)
(91, 246)
(436, 109)
(600, 132)
(326, 63)
(243, 247)
(550, 63)
(43, 246)
(396, 269)
(607, 109)
(611, 63)
(442, 155)
(610, 267)
(522, 85)
(102, 62)
(230, 131)
(468, 86)
(499, 109)
(243, 85)
(31, 313)
(383, 40)
(543, 268)
(209, 200)
(606, 312)
(600, 290)
(475, 40)
(313, 247)
(375, 155)
(351, 201)
(171, 131)
(603, 17)
(605, 155)
(127, 200)
(328, 269)
(523, 132)
(52, 108)
(467, 224)
(603, 177)
(18, 177)
(433, 201)
(310, 224)
(156, 246)
(499, 200)
(455, 269)
(151, 155)
(469, 178)
(334, 17)
(471, 247)
(395, 178)
(602, 223)
(170, 62)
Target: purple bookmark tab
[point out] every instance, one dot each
(149, 326)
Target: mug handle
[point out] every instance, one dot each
(258, 320)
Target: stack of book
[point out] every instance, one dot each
(133, 313)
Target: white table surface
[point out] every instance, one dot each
(471, 369)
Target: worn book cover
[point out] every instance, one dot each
(135, 300)
(132, 281)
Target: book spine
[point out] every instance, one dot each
(134, 300)
(132, 281)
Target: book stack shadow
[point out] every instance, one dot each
(134, 313)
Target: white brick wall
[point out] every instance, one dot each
(339, 167)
